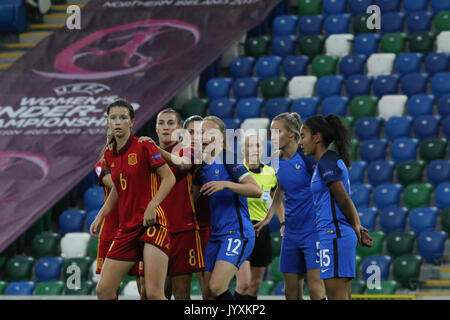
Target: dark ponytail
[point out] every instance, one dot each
(332, 130)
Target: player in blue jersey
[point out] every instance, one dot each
(227, 185)
(337, 220)
(299, 250)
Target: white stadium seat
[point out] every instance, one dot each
(131, 289)
(302, 87)
(74, 244)
(392, 106)
(443, 42)
(339, 44)
(380, 64)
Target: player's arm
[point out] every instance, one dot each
(277, 200)
(109, 204)
(246, 187)
(195, 192)
(107, 181)
(280, 211)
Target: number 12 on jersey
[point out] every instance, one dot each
(233, 246)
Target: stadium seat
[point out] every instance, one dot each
(367, 128)
(393, 219)
(442, 194)
(339, 45)
(380, 172)
(283, 46)
(19, 268)
(273, 87)
(360, 195)
(403, 149)
(256, 46)
(445, 220)
(419, 21)
(377, 245)
(337, 23)
(431, 246)
(93, 198)
(92, 247)
(387, 287)
(436, 62)
(367, 217)
(392, 106)
(195, 288)
(372, 150)
(244, 88)
(302, 87)
(417, 195)
(408, 63)
(74, 244)
(222, 108)
(406, 270)
(433, 148)
(442, 42)
(360, 24)
(20, 288)
(420, 104)
(398, 127)
(86, 288)
(441, 21)
(232, 123)
(334, 6)
(266, 288)
(277, 276)
(48, 269)
(358, 85)
(388, 5)
(305, 107)
(310, 25)
(71, 220)
(328, 86)
(307, 7)
(311, 45)
(284, 25)
(358, 286)
(324, 65)
(410, 171)
(440, 83)
(363, 106)
(439, 5)
(387, 195)
(400, 242)
(392, 22)
(438, 171)
(295, 66)
(241, 67)
(393, 43)
(249, 108)
(359, 6)
(334, 104)
(194, 106)
(352, 64)
(275, 106)
(421, 42)
(356, 172)
(383, 262)
(386, 85)
(426, 126)
(83, 263)
(414, 5)
(446, 126)
(354, 148)
(14, 17)
(45, 245)
(380, 64)
(423, 219)
(268, 66)
(49, 288)
(358, 261)
(366, 43)
(276, 241)
(414, 83)
(256, 124)
(279, 289)
(217, 88)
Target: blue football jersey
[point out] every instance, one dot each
(330, 221)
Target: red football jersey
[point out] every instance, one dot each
(202, 210)
(133, 172)
(110, 225)
(178, 204)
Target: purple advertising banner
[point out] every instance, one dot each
(53, 100)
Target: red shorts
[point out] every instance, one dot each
(158, 236)
(204, 236)
(102, 251)
(186, 253)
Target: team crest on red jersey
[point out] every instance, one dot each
(132, 159)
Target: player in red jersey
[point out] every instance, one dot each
(143, 230)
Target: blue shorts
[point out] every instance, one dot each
(299, 255)
(231, 248)
(337, 257)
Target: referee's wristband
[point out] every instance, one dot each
(283, 223)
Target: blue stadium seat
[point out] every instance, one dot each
(268, 66)
(90, 217)
(328, 86)
(385, 85)
(423, 219)
(367, 128)
(442, 195)
(414, 83)
(359, 6)
(48, 269)
(380, 172)
(426, 126)
(336, 105)
(249, 108)
(93, 198)
(387, 195)
(217, 88)
(383, 262)
(366, 43)
(446, 125)
(352, 64)
(408, 63)
(275, 106)
(13, 16)
(310, 25)
(295, 66)
(443, 105)
(419, 21)
(439, 5)
(88, 181)
(358, 85)
(398, 127)
(245, 88)
(283, 46)
(436, 62)
(440, 83)
(285, 25)
(305, 107)
(392, 22)
(372, 150)
(438, 171)
(20, 288)
(420, 104)
(232, 123)
(393, 219)
(414, 5)
(360, 195)
(403, 149)
(71, 220)
(368, 217)
(431, 246)
(388, 5)
(334, 6)
(356, 172)
(241, 67)
(279, 289)
(222, 108)
(337, 23)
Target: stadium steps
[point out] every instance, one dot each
(56, 18)
(69, 2)
(9, 57)
(32, 37)
(4, 66)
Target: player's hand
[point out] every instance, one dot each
(144, 138)
(212, 187)
(363, 236)
(282, 230)
(258, 227)
(149, 217)
(95, 226)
